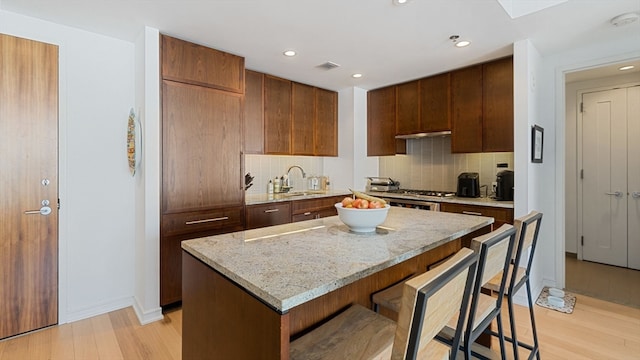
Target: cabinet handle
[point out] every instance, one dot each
(307, 213)
(206, 220)
(271, 210)
(472, 213)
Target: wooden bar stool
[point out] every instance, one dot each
(428, 302)
(527, 227)
(494, 250)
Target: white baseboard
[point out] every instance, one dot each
(99, 309)
(148, 316)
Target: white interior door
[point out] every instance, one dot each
(604, 185)
(633, 224)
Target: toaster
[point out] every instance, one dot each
(468, 185)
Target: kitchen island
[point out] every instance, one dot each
(247, 294)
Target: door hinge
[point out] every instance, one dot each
(58, 204)
(581, 240)
(581, 173)
(581, 107)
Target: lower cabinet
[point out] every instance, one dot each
(501, 215)
(302, 210)
(268, 214)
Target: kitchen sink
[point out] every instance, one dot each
(303, 193)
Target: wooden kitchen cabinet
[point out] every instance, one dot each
(466, 99)
(277, 115)
(381, 123)
(253, 112)
(202, 189)
(497, 109)
(326, 123)
(501, 215)
(302, 210)
(262, 215)
(435, 103)
(408, 108)
(192, 63)
(303, 119)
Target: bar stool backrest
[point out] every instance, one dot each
(429, 301)
(528, 228)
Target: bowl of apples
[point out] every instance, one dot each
(362, 213)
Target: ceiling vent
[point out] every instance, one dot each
(624, 19)
(328, 65)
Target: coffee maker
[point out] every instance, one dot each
(504, 188)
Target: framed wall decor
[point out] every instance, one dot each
(537, 139)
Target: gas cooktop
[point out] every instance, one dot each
(422, 192)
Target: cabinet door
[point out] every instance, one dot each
(466, 97)
(187, 62)
(326, 125)
(497, 92)
(201, 148)
(381, 122)
(408, 112)
(435, 103)
(253, 113)
(302, 120)
(268, 214)
(501, 215)
(277, 115)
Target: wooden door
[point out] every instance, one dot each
(604, 184)
(28, 177)
(435, 103)
(633, 177)
(253, 113)
(326, 123)
(302, 119)
(277, 115)
(466, 97)
(201, 148)
(408, 109)
(497, 106)
(381, 121)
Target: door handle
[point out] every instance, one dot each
(635, 194)
(616, 193)
(45, 210)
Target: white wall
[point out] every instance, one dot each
(96, 237)
(572, 93)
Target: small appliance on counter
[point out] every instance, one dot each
(504, 187)
(468, 185)
(382, 184)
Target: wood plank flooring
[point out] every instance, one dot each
(596, 330)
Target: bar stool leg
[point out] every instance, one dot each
(536, 348)
(512, 323)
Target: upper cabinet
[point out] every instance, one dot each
(408, 108)
(277, 116)
(381, 123)
(283, 117)
(482, 98)
(192, 63)
(497, 109)
(435, 103)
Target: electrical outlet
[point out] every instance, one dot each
(494, 186)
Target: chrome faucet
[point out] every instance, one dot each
(304, 175)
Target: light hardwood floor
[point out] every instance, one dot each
(596, 330)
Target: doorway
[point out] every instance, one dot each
(29, 183)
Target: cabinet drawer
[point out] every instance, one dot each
(202, 221)
(501, 215)
(313, 205)
(268, 214)
(309, 215)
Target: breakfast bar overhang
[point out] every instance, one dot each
(247, 294)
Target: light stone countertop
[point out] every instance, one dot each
(480, 201)
(288, 265)
(255, 199)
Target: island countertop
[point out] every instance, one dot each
(288, 265)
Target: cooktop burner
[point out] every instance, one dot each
(423, 192)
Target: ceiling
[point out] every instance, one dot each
(385, 42)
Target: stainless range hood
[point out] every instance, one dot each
(424, 135)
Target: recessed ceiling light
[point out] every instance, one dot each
(624, 19)
(289, 53)
(357, 75)
(462, 43)
(628, 67)
(400, 2)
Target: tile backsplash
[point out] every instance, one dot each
(429, 164)
(265, 167)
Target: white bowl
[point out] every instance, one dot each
(362, 220)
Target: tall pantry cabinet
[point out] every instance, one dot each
(202, 189)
